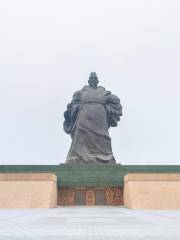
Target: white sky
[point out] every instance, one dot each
(49, 47)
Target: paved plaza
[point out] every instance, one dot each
(89, 223)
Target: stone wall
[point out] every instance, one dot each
(152, 191)
(28, 190)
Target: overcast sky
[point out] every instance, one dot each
(49, 47)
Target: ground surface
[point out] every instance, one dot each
(89, 223)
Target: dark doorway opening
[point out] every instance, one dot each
(80, 197)
(100, 197)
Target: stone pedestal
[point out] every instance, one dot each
(152, 190)
(35, 186)
(28, 190)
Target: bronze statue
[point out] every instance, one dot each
(92, 111)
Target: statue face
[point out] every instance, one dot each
(93, 82)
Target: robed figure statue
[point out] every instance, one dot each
(92, 111)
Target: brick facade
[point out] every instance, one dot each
(69, 196)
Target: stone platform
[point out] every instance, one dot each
(152, 190)
(146, 187)
(28, 190)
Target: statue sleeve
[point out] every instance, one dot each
(113, 109)
(71, 113)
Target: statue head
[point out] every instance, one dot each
(93, 80)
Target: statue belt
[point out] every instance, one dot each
(87, 103)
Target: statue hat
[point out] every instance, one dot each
(93, 75)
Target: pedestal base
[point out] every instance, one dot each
(28, 190)
(152, 191)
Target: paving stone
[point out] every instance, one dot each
(89, 223)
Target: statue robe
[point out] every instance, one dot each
(88, 117)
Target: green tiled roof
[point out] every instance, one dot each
(90, 175)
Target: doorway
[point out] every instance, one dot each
(100, 197)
